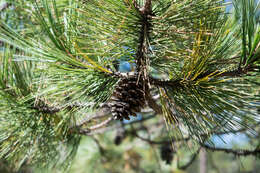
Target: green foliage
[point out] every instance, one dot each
(30, 135)
(183, 33)
(36, 97)
(200, 53)
(246, 16)
(58, 65)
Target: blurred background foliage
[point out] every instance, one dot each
(137, 152)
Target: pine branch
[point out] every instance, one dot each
(189, 137)
(102, 129)
(158, 142)
(237, 152)
(100, 147)
(235, 73)
(193, 158)
(95, 127)
(103, 112)
(240, 72)
(142, 51)
(152, 103)
(43, 107)
(146, 9)
(164, 83)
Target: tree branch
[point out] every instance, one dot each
(189, 137)
(46, 109)
(99, 114)
(146, 9)
(237, 152)
(103, 129)
(95, 127)
(143, 48)
(193, 158)
(100, 148)
(239, 72)
(158, 142)
(234, 73)
(142, 58)
(152, 103)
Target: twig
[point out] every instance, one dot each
(237, 152)
(177, 83)
(163, 83)
(152, 103)
(100, 148)
(239, 72)
(189, 137)
(46, 109)
(104, 123)
(146, 9)
(142, 58)
(90, 132)
(105, 111)
(99, 114)
(95, 127)
(193, 158)
(154, 151)
(159, 142)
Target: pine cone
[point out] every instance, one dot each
(128, 98)
(120, 135)
(166, 153)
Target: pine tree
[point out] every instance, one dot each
(194, 66)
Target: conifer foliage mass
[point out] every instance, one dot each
(194, 64)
